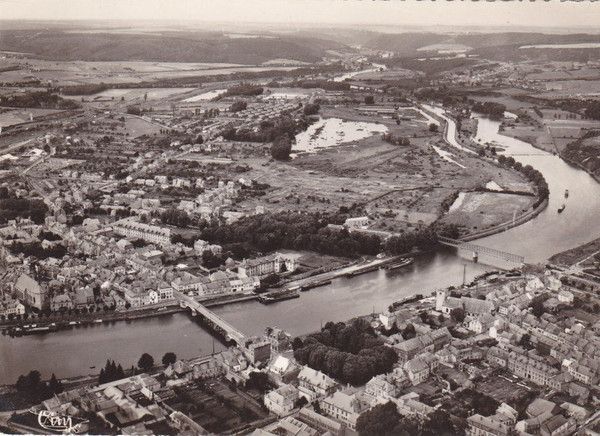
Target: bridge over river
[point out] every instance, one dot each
(480, 249)
(215, 321)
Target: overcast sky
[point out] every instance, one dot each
(455, 13)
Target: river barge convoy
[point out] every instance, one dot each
(33, 329)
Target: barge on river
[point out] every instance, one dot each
(405, 261)
(274, 297)
(313, 285)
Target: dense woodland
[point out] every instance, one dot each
(293, 230)
(493, 110)
(350, 353)
(303, 231)
(11, 208)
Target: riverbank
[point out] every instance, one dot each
(56, 321)
(532, 139)
(63, 321)
(517, 221)
(522, 219)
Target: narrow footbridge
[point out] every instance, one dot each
(211, 318)
(479, 249)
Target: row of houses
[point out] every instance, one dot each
(130, 228)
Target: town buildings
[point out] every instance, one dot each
(137, 230)
(263, 266)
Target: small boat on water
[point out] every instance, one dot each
(566, 193)
(560, 209)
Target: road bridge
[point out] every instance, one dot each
(214, 320)
(480, 249)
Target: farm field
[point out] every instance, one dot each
(137, 94)
(137, 127)
(81, 72)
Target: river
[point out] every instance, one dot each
(73, 352)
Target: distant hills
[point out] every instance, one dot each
(165, 46)
(495, 46)
(308, 45)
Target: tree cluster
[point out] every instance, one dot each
(238, 106)
(35, 249)
(396, 140)
(292, 230)
(446, 96)
(134, 110)
(531, 173)
(351, 353)
(110, 372)
(425, 239)
(244, 89)
(258, 381)
(11, 208)
(311, 109)
(84, 89)
(34, 389)
(457, 314)
(384, 420)
(175, 217)
(479, 402)
(37, 99)
(281, 147)
(493, 110)
(537, 305)
(327, 85)
(268, 130)
(211, 260)
(146, 362)
(169, 358)
(593, 110)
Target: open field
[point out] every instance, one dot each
(18, 116)
(481, 210)
(397, 186)
(137, 127)
(392, 74)
(583, 73)
(137, 94)
(80, 72)
(312, 261)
